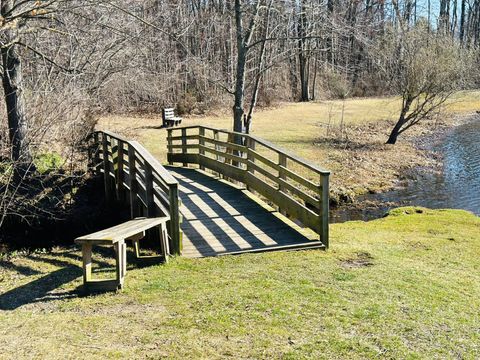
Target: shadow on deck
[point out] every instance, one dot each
(220, 219)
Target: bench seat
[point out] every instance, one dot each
(169, 118)
(131, 230)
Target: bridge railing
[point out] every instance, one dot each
(298, 188)
(132, 175)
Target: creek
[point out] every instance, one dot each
(456, 186)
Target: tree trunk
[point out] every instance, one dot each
(305, 96)
(302, 53)
(239, 94)
(392, 139)
(462, 22)
(15, 104)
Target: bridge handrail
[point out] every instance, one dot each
(132, 175)
(274, 173)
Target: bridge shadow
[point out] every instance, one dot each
(219, 218)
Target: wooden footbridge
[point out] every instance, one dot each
(232, 193)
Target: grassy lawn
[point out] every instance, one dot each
(357, 156)
(405, 286)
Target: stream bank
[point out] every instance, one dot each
(454, 183)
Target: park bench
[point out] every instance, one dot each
(169, 118)
(116, 236)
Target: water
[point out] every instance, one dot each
(457, 186)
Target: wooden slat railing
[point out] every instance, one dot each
(298, 188)
(132, 175)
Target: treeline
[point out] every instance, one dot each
(186, 52)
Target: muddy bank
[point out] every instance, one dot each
(448, 181)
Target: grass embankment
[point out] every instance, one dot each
(355, 152)
(406, 286)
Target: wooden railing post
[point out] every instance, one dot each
(132, 169)
(120, 174)
(150, 202)
(184, 144)
(106, 169)
(175, 233)
(169, 145)
(201, 142)
(324, 209)
(95, 155)
(250, 158)
(282, 161)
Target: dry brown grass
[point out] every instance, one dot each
(354, 152)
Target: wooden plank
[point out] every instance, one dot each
(113, 135)
(120, 174)
(201, 143)
(183, 158)
(101, 285)
(301, 194)
(225, 169)
(106, 171)
(154, 163)
(324, 211)
(150, 202)
(264, 172)
(124, 230)
(133, 183)
(312, 245)
(87, 261)
(188, 137)
(309, 165)
(96, 155)
(300, 179)
(293, 207)
(229, 156)
(263, 159)
(169, 144)
(174, 226)
(282, 161)
(225, 144)
(184, 144)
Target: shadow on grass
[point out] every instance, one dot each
(49, 287)
(42, 289)
(151, 127)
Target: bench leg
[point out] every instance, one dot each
(120, 262)
(165, 251)
(136, 247)
(87, 262)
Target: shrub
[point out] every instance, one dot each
(48, 162)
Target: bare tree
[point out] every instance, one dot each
(425, 69)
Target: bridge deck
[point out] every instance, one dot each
(220, 219)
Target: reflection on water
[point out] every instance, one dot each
(457, 187)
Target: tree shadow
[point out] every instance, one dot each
(150, 127)
(43, 289)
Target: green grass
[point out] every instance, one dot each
(405, 286)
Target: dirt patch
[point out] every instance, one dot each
(362, 259)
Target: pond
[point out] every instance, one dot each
(457, 186)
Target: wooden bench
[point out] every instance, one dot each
(133, 230)
(169, 118)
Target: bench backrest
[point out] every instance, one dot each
(168, 113)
